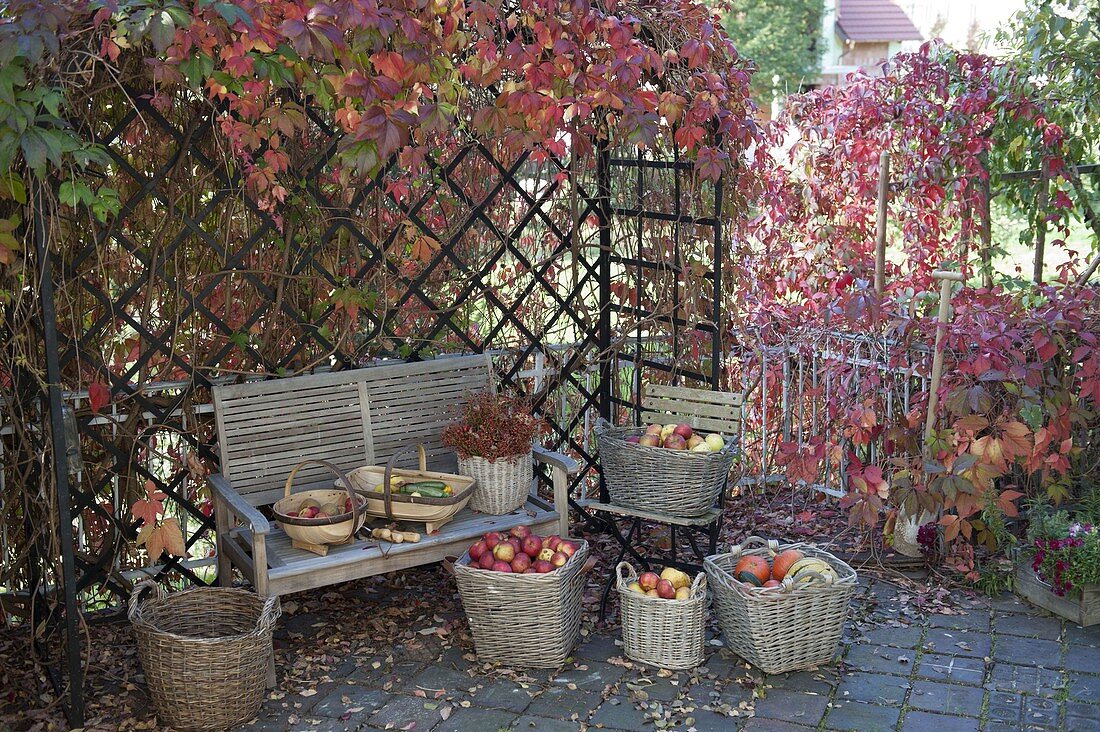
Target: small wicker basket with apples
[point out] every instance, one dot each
(663, 616)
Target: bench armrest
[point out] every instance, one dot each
(257, 523)
(556, 460)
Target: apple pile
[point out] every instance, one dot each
(678, 437)
(521, 552)
(670, 584)
(311, 509)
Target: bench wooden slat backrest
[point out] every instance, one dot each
(710, 411)
(350, 418)
(412, 403)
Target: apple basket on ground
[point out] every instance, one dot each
(676, 482)
(526, 619)
(666, 630)
(786, 624)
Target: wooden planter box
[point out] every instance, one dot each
(1083, 608)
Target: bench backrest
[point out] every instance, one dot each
(350, 418)
(703, 409)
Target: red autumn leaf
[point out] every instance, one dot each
(147, 509)
(99, 396)
(1007, 502)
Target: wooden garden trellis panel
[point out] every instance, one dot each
(139, 264)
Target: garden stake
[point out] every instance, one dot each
(906, 525)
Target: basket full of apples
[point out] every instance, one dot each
(669, 469)
(522, 596)
(663, 616)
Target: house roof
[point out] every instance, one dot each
(875, 20)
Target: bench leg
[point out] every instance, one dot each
(221, 530)
(271, 680)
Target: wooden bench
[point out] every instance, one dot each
(706, 411)
(350, 418)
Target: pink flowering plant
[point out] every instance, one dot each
(1068, 556)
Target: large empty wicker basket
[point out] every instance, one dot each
(205, 652)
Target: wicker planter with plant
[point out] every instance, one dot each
(493, 440)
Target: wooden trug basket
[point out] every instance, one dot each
(316, 534)
(433, 512)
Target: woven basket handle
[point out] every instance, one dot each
(343, 481)
(271, 612)
(135, 595)
(789, 585)
(625, 573)
(700, 584)
(752, 541)
(601, 426)
(388, 475)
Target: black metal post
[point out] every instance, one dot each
(60, 468)
(603, 196)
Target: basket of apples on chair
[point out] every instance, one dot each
(781, 608)
(667, 469)
(522, 595)
(663, 616)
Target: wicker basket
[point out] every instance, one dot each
(527, 620)
(374, 483)
(318, 532)
(502, 484)
(205, 652)
(677, 483)
(784, 628)
(664, 633)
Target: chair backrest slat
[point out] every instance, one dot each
(701, 408)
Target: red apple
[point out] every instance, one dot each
(567, 548)
(546, 554)
(520, 532)
(487, 560)
(650, 440)
(492, 539)
(653, 429)
(291, 513)
(499, 566)
(675, 442)
(665, 589)
(521, 563)
(684, 430)
(694, 441)
(559, 559)
(530, 570)
(552, 542)
(542, 566)
(649, 580)
(517, 544)
(532, 545)
(309, 512)
(347, 505)
(504, 551)
(478, 549)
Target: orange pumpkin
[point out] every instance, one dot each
(783, 561)
(752, 569)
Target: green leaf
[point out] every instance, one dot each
(34, 151)
(232, 13)
(12, 188)
(162, 31)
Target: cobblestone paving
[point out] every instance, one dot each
(1002, 666)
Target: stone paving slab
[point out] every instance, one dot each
(1003, 666)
